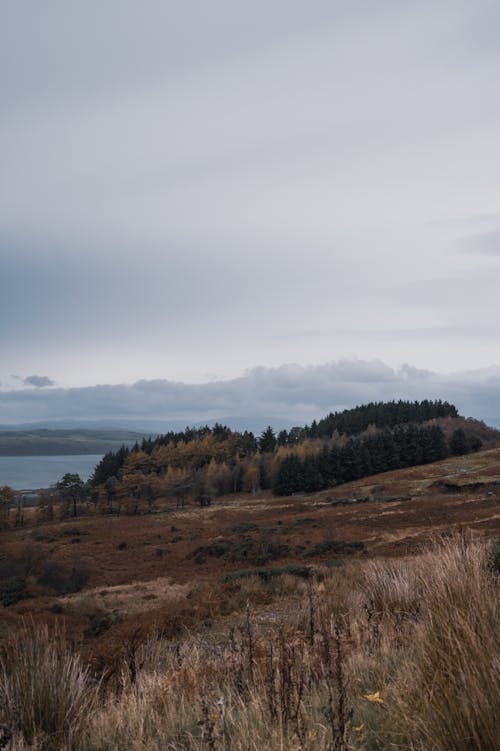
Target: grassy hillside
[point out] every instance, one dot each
(363, 617)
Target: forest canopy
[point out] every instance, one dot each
(205, 462)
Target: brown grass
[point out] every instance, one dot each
(179, 665)
(46, 694)
(300, 674)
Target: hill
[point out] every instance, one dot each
(204, 463)
(59, 442)
(389, 514)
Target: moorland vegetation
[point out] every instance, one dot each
(180, 601)
(394, 654)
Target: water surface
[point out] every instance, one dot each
(32, 472)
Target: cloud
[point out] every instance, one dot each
(252, 169)
(38, 381)
(485, 243)
(284, 396)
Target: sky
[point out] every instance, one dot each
(195, 193)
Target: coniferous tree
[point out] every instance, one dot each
(459, 443)
(290, 477)
(267, 440)
(282, 439)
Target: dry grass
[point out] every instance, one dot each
(137, 597)
(46, 694)
(301, 675)
(453, 673)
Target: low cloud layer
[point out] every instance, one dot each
(287, 395)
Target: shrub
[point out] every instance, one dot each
(293, 569)
(12, 590)
(245, 527)
(41, 537)
(332, 546)
(63, 579)
(257, 552)
(98, 625)
(73, 532)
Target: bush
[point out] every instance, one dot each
(41, 537)
(245, 527)
(12, 590)
(73, 532)
(63, 579)
(332, 546)
(258, 552)
(293, 569)
(98, 625)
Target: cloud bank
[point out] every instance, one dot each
(283, 396)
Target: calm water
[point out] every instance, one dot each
(31, 472)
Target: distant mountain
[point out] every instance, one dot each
(147, 427)
(65, 441)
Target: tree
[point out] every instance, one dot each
(296, 435)
(267, 440)
(111, 489)
(251, 475)
(459, 443)
(6, 499)
(70, 488)
(110, 465)
(282, 438)
(290, 476)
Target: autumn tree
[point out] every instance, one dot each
(251, 475)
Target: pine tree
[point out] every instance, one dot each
(267, 440)
(459, 443)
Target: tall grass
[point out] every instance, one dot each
(46, 694)
(452, 693)
(380, 655)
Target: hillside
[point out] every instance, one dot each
(192, 548)
(45, 442)
(293, 621)
(205, 463)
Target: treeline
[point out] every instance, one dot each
(382, 415)
(241, 444)
(405, 446)
(349, 422)
(200, 464)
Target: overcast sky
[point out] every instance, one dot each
(189, 190)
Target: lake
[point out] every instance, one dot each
(32, 472)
